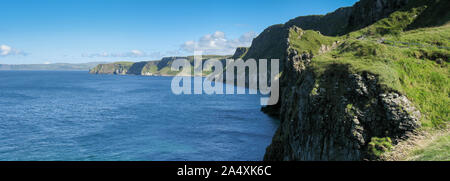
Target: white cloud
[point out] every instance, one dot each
(132, 54)
(218, 43)
(136, 53)
(6, 50)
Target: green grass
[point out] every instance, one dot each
(425, 82)
(378, 146)
(394, 24)
(419, 72)
(437, 150)
(124, 63)
(308, 41)
(111, 67)
(150, 68)
(436, 36)
(413, 62)
(362, 56)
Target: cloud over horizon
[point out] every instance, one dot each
(129, 54)
(217, 43)
(6, 50)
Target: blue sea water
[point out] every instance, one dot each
(73, 115)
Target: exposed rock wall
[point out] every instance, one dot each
(136, 68)
(240, 52)
(117, 69)
(153, 68)
(333, 117)
(366, 12)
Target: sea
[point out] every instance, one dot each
(74, 115)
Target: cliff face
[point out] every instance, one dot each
(367, 12)
(335, 116)
(148, 68)
(116, 68)
(136, 68)
(348, 19)
(328, 109)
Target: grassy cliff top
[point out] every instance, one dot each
(408, 52)
(124, 63)
(411, 62)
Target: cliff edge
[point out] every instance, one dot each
(354, 91)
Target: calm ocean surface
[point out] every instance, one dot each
(79, 116)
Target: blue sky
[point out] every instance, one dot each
(51, 31)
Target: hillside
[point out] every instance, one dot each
(354, 93)
(148, 68)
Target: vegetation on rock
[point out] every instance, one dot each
(399, 61)
(378, 146)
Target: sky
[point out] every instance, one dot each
(69, 31)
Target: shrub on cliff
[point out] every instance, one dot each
(378, 146)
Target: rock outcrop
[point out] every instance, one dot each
(332, 116)
(366, 12)
(116, 68)
(149, 68)
(335, 116)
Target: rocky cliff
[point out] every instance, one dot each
(118, 68)
(335, 116)
(340, 94)
(148, 68)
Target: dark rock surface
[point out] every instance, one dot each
(240, 52)
(335, 116)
